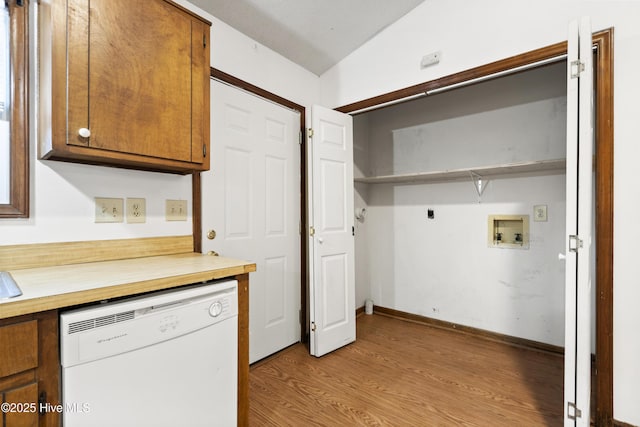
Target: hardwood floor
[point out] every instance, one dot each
(399, 373)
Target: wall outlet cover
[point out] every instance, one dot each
(136, 210)
(109, 209)
(176, 210)
(540, 213)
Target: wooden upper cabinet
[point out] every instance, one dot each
(129, 84)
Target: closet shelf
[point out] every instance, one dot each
(457, 174)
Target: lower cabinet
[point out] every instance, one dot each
(30, 366)
(29, 370)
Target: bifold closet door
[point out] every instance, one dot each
(579, 223)
(331, 233)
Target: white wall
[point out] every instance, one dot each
(512, 119)
(476, 33)
(442, 267)
(361, 150)
(62, 207)
(238, 55)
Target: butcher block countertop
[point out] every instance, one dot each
(47, 288)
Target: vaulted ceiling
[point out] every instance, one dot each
(315, 34)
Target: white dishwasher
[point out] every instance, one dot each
(164, 359)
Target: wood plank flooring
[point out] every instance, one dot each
(399, 373)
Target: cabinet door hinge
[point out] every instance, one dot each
(204, 40)
(577, 67)
(310, 132)
(312, 231)
(573, 412)
(575, 243)
(204, 150)
(313, 326)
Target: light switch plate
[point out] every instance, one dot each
(109, 209)
(540, 213)
(176, 210)
(136, 210)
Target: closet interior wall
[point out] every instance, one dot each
(444, 268)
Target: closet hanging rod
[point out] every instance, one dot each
(462, 84)
(388, 103)
(498, 74)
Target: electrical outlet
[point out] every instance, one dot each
(540, 213)
(176, 210)
(136, 210)
(109, 209)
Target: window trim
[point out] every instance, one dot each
(18, 206)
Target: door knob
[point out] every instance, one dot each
(84, 132)
(214, 253)
(211, 234)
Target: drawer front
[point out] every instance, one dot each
(19, 344)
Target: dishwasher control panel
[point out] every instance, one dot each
(104, 330)
(169, 322)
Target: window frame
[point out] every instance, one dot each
(18, 206)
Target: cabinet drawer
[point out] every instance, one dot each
(19, 344)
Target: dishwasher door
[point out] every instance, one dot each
(168, 359)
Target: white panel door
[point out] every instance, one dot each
(331, 242)
(579, 223)
(251, 198)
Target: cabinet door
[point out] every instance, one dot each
(130, 70)
(200, 93)
(29, 369)
(18, 361)
(19, 344)
(24, 406)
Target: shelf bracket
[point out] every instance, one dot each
(478, 182)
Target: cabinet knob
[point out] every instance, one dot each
(84, 132)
